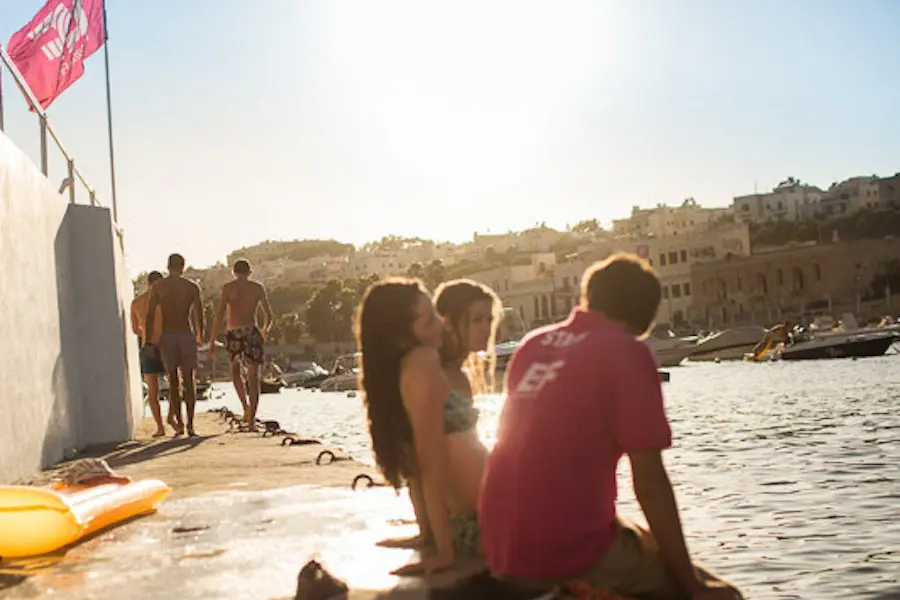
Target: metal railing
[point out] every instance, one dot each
(73, 173)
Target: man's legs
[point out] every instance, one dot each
(189, 359)
(152, 380)
(190, 397)
(174, 418)
(253, 391)
(237, 377)
(168, 348)
(253, 351)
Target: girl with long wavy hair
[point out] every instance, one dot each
(419, 403)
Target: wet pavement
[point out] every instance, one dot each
(231, 544)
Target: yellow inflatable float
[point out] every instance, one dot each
(36, 520)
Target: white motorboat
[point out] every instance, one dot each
(669, 349)
(345, 374)
(733, 343)
(827, 339)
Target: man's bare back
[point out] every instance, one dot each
(242, 297)
(175, 297)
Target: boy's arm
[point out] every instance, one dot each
(642, 431)
(657, 499)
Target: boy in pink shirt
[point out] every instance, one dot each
(581, 394)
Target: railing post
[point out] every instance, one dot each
(93, 197)
(71, 181)
(2, 128)
(44, 168)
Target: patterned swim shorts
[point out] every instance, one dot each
(245, 342)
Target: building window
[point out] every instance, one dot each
(740, 284)
(665, 292)
(545, 308)
(684, 256)
(762, 284)
(818, 270)
(673, 258)
(676, 290)
(687, 289)
(662, 259)
(798, 279)
(780, 277)
(537, 308)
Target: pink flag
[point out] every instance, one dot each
(50, 50)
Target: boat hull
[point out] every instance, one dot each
(858, 348)
(270, 386)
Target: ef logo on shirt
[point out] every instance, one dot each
(538, 375)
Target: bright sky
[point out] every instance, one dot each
(237, 122)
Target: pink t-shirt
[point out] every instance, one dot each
(580, 394)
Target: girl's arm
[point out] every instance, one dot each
(417, 497)
(425, 390)
(418, 502)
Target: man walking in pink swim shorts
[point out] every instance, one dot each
(178, 298)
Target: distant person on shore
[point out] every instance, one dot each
(151, 363)
(420, 409)
(241, 297)
(178, 299)
(581, 393)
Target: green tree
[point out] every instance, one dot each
(287, 329)
(290, 298)
(587, 226)
(434, 274)
(416, 270)
(330, 311)
(362, 283)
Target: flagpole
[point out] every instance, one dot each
(112, 153)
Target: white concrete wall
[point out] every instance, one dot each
(67, 361)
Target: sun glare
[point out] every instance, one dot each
(468, 98)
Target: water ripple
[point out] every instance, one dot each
(786, 474)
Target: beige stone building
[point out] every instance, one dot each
(889, 192)
(529, 290)
(663, 220)
(849, 197)
(793, 283)
(790, 200)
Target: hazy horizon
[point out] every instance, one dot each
(346, 121)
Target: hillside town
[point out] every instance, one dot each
(794, 252)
